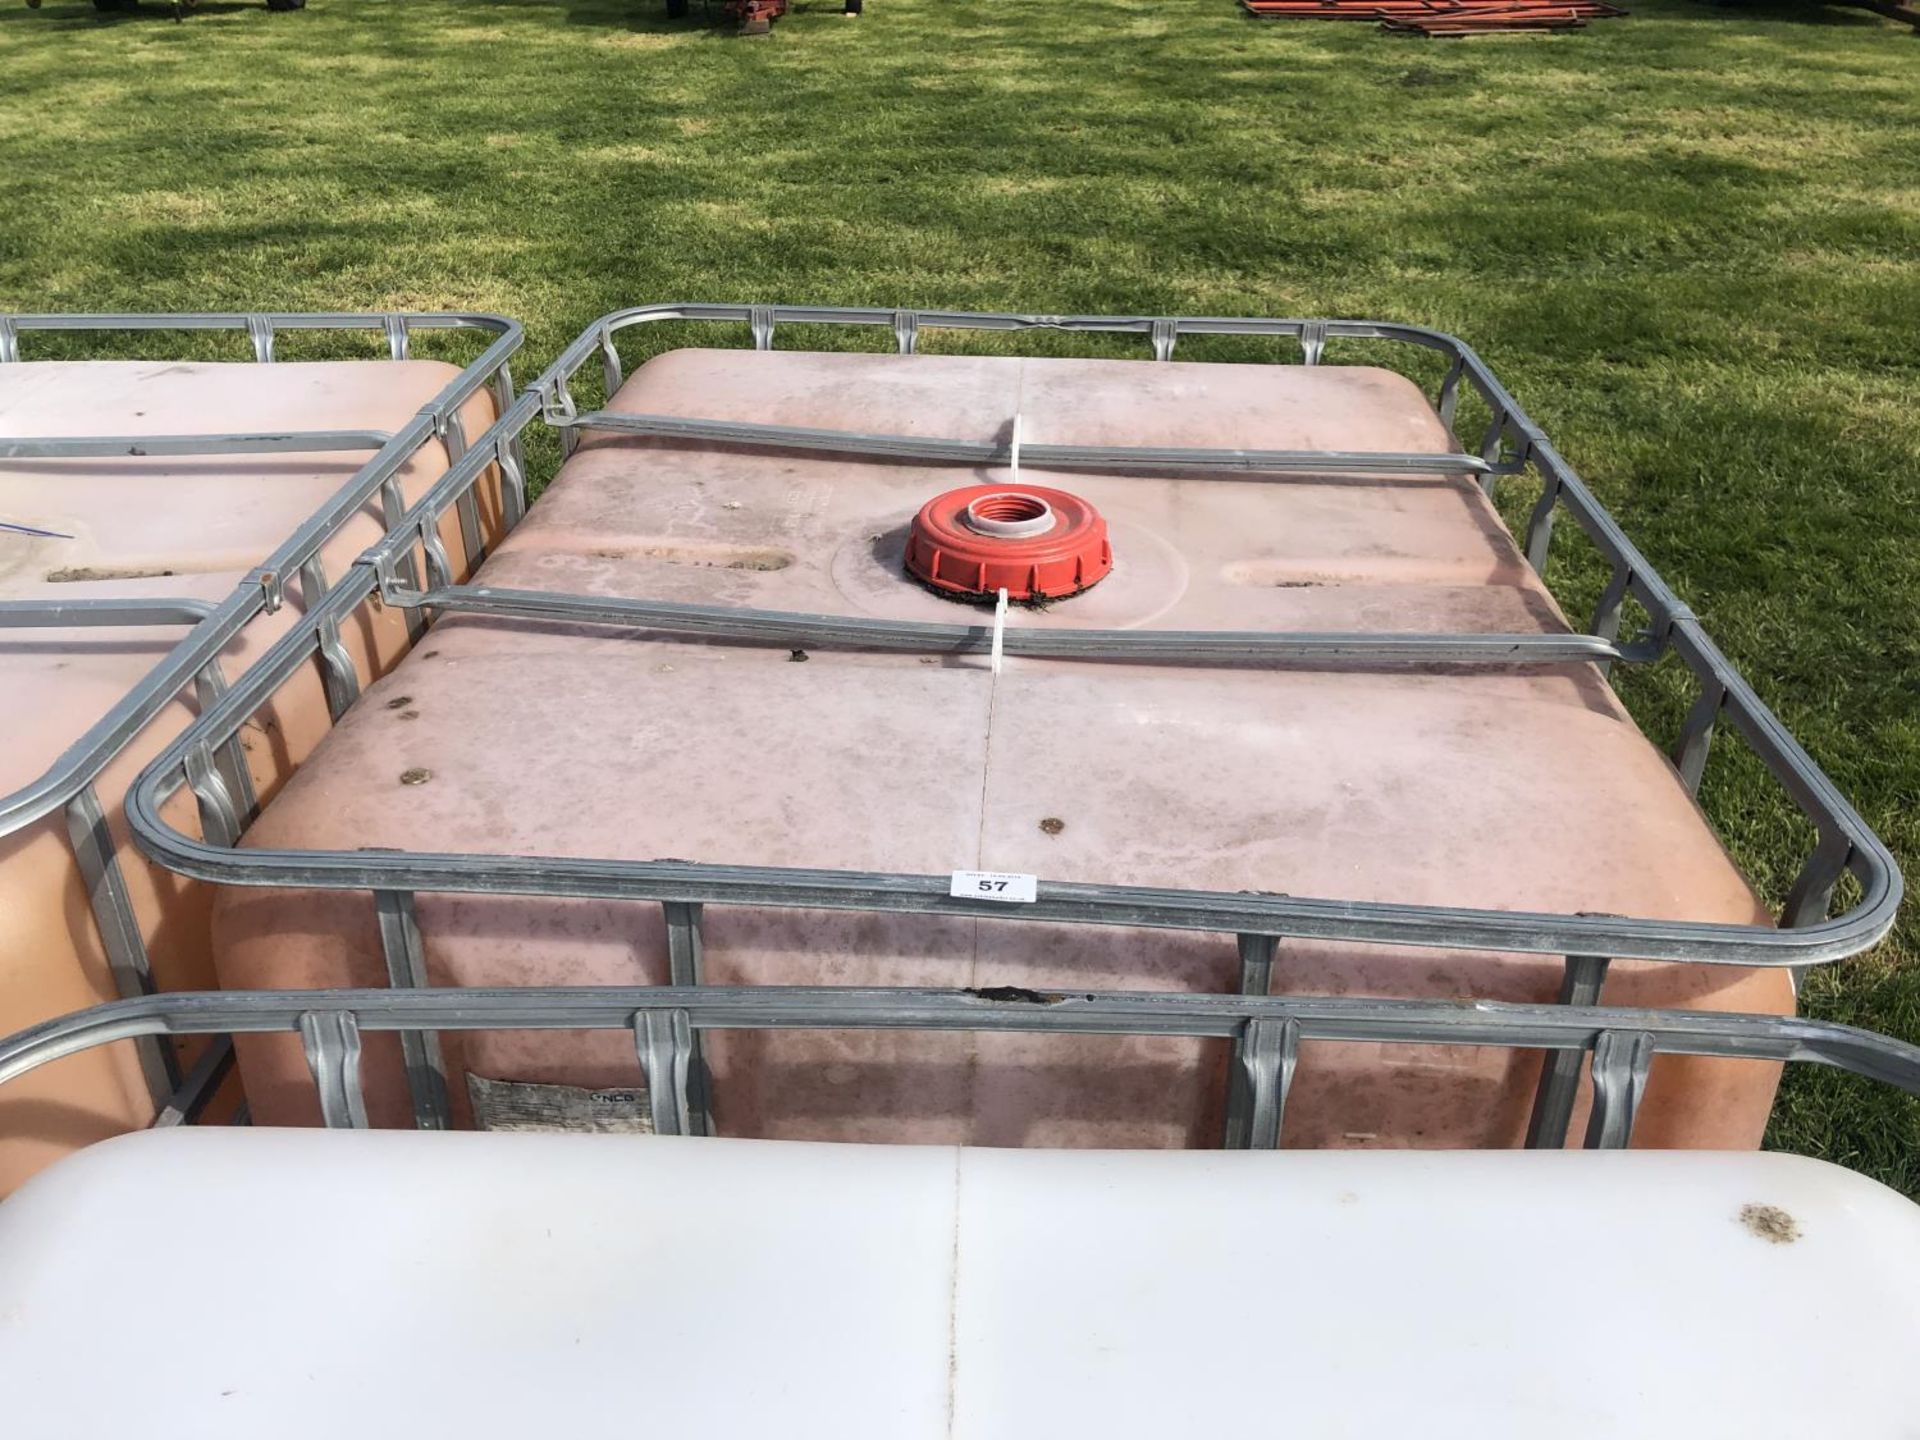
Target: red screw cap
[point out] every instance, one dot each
(1033, 542)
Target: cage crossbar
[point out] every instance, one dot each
(1268, 1032)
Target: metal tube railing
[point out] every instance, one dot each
(219, 773)
(1267, 1032)
(1811, 936)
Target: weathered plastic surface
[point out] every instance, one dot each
(506, 1285)
(158, 526)
(1516, 790)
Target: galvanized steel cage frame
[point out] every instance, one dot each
(1511, 445)
(68, 784)
(665, 1022)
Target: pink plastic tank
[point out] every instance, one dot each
(149, 527)
(1519, 789)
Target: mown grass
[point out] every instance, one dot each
(1687, 240)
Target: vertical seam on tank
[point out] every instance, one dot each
(953, 1300)
(980, 832)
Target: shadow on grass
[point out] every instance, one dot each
(68, 17)
(650, 16)
(1802, 12)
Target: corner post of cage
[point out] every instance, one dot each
(406, 959)
(664, 1041)
(1621, 1060)
(1580, 984)
(331, 1039)
(1257, 954)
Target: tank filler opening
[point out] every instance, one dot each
(1036, 543)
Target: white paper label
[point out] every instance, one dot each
(994, 885)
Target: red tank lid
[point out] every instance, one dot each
(1035, 543)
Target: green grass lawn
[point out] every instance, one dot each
(1688, 240)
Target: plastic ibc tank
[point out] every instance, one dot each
(498, 1285)
(1518, 789)
(158, 526)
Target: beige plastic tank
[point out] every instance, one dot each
(146, 527)
(1521, 789)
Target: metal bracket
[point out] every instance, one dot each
(391, 571)
(120, 937)
(1270, 1049)
(192, 1096)
(452, 432)
(229, 759)
(760, 321)
(1621, 1059)
(406, 959)
(331, 1039)
(1256, 978)
(273, 589)
(1165, 333)
(610, 370)
(1539, 539)
(685, 962)
(906, 331)
(1447, 402)
(664, 1040)
(337, 675)
(1313, 341)
(398, 341)
(1812, 890)
(513, 481)
(219, 820)
(1696, 734)
(1560, 1071)
(9, 340)
(260, 331)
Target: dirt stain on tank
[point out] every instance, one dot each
(1770, 1223)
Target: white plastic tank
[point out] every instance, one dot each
(494, 1286)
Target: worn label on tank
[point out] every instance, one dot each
(525, 1105)
(994, 885)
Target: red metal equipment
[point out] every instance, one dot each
(1442, 17)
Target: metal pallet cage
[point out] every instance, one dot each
(1268, 1033)
(68, 784)
(1511, 446)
